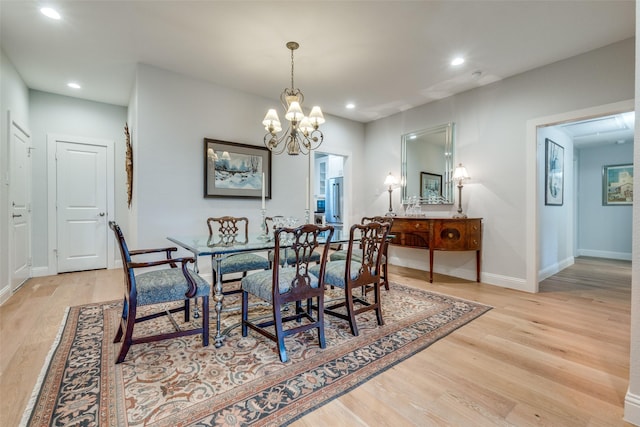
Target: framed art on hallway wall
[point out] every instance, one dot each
(554, 173)
(617, 185)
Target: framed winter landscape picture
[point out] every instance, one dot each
(236, 170)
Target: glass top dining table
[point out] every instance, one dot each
(219, 247)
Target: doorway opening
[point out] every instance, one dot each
(537, 230)
(329, 184)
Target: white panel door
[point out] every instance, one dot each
(82, 206)
(20, 206)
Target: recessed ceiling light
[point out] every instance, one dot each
(50, 13)
(350, 106)
(457, 61)
(74, 85)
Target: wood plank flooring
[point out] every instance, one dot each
(556, 358)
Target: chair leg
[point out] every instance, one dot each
(187, 311)
(385, 278)
(323, 344)
(118, 336)
(205, 321)
(128, 333)
(245, 312)
(277, 317)
(378, 303)
(350, 310)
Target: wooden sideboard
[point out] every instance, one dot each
(439, 234)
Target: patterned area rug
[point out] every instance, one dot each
(178, 382)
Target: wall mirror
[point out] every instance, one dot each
(427, 165)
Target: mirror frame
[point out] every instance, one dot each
(447, 183)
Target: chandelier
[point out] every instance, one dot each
(303, 133)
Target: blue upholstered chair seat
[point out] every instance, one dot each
(291, 257)
(261, 283)
(167, 285)
(342, 255)
(334, 272)
(240, 263)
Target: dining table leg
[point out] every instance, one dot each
(217, 298)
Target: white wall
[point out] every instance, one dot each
(556, 235)
(63, 115)
(174, 115)
(491, 141)
(632, 399)
(603, 231)
(14, 97)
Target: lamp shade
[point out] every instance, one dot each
(271, 117)
(305, 125)
(390, 180)
(294, 113)
(315, 117)
(460, 173)
(271, 120)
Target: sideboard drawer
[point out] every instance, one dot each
(457, 234)
(405, 225)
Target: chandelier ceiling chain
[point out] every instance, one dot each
(303, 134)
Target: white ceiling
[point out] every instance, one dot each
(385, 56)
(598, 131)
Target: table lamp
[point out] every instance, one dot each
(390, 181)
(460, 175)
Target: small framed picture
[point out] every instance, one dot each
(554, 173)
(617, 185)
(430, 185)
(236, 170)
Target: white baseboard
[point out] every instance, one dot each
(625, 256)
(40, 272)
(632, 408)
(489, 278)
(505, 281)
(5, 293)
(555, 268)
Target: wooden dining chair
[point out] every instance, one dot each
(227, 230)
(294, 283)
(158, 286)
(360, 270)
(384, 277)
(286, 257)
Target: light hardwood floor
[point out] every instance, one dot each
(556, 358)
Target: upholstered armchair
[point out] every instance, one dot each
(158, 286)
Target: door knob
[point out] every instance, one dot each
(101, 213)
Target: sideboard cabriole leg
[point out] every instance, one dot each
(430, 265)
